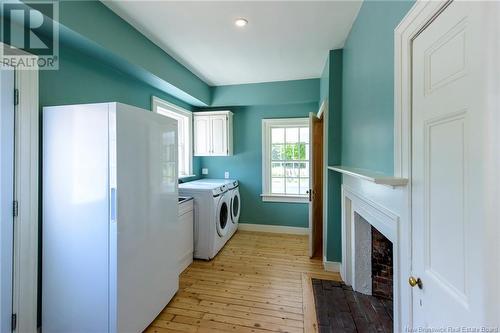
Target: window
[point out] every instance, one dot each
(185, 128)
(285, 159)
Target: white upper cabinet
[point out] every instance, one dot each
(213, 133)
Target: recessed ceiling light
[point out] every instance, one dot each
(240, 22)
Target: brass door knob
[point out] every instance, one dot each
(415, 282)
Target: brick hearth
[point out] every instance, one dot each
(382, 269)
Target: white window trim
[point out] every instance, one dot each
(267, 124)
(158, 102)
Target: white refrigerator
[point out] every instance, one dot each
(110, 217)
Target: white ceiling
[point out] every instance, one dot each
(284, 40)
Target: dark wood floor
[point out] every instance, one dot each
(340, 309)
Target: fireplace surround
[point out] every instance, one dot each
(359, 216)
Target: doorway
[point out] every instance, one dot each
(7, 207)
(316, 172)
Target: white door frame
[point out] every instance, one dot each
(420, 15)
(25, 279)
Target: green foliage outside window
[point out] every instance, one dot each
(287, 152)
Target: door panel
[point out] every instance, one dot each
(448, 160)
(201, 136)
(445, 198)
(219, 135)
(6, 194)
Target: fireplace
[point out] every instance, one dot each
(382, 270)
(372, 261)
(370, 251)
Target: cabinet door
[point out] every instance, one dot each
(219, 134)
(202, 135)
(186, 239)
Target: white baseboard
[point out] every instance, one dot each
(273, 228)
(332, 266)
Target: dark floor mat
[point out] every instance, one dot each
(340, 309)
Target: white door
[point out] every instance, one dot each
(219, 134)
(450, 160)
(6, 195)
(201, 135)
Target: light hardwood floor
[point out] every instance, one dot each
(253, 285)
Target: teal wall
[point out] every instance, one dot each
(82, 79)
(358, 83)
(246, 165)
(368, 86)
(267, 93)
(333, 249)
(324, 82)
(331, 92)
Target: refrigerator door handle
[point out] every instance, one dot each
(113, 204)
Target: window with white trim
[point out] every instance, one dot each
(285, 159)
(185, 132)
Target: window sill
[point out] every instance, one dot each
(285, 198)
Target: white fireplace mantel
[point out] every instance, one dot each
(369, 175)
(355, 251)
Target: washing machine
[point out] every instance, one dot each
(234, 199)
(212, 217)
(234, 203)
